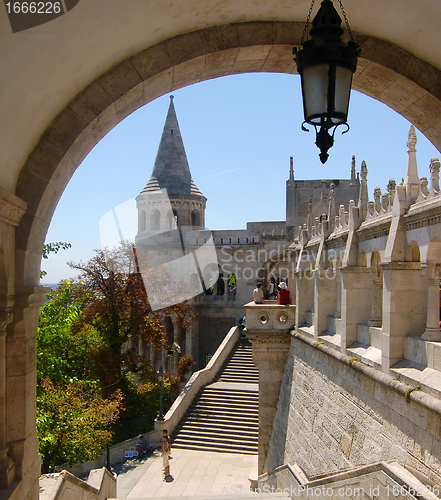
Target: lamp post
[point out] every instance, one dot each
(160, 375)
(326, 64)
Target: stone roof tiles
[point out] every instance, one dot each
(171, 170)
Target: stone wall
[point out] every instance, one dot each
(336, 413)
(212, 330)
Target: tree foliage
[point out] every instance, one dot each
(88, 361)
(61, 353)
(49, 248)
(72, 422)
(117, 307)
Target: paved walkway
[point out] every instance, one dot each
(193, 474)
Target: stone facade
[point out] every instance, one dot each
(314, 198)
(336, 414)
(171, 215)
(362, 383)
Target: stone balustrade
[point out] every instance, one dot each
(270, 316)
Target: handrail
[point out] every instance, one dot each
(198, 380)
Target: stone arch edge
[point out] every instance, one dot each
(386, 73)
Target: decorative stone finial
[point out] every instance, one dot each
(434, 175)
(411, 139)
(331, 205)
(391, 188)
(377, 199)
(364, 171)
(353, 168)
(363, 197)
(172, 97)
(411, 179)
(384, 203)
(423, 186)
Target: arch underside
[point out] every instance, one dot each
(385, 72)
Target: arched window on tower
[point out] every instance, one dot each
(195, 219)
(155, 217)
(142, 221)
(172, 220)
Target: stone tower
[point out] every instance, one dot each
(170, 198)
(315, 198)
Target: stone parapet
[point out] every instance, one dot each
(270, 317)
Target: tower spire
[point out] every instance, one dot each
(171, 170)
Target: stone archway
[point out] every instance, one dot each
(385, 72)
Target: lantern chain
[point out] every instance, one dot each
(307, 22)
(346, 20)
(309, 17)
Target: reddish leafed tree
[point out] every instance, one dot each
(117, 307)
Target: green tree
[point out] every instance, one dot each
(61, 353)
(72, 417)
(84, 358)
(72, 422)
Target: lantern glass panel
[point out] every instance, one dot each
(343, 80)
(315, 92)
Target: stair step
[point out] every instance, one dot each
(226, 438)
(230, 392)
(233, 402)
(219, 428)
(226, 399)
(218, 419)
(201, 409)
(224, 419)
(245, 450)
(226, 402)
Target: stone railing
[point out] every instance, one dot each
(270, 316)
(198, 380)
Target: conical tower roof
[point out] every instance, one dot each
(171, 170)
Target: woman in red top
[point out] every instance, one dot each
(284, 298)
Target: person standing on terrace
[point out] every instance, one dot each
(284, 298)
(258, 294)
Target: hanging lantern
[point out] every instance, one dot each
(326, 64)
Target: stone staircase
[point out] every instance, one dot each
(224, 415)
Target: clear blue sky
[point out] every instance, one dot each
(239, 133)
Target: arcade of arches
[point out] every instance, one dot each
(65, 84)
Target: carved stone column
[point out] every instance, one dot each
(325, 298)
(338, 282)
(21, 386)
(377, 301)
(270, 352)
(356, 286)
(404, 308)
(432, 333)
(7, 466)
(304, 295)
(12, 210)
(226, 290)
